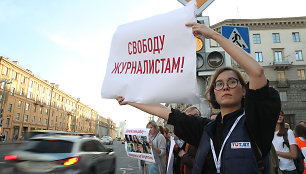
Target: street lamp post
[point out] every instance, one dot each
(6, 81)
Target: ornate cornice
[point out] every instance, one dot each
(265, 23)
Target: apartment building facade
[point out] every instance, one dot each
(30, 103)
(279, 45)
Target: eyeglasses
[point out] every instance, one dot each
(231, 83)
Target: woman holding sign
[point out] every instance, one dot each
(246, 110)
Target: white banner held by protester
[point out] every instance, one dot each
(154, 60)
(137, 144)
(171, 156)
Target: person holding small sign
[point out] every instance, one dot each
(246, 110)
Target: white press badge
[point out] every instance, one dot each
(240, 145)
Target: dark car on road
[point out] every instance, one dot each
(62, 154)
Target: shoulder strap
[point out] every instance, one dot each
(286, 141)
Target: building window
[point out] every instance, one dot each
(33, 119)
(276, 38)
(258, 56)
(18, 116)
(45, 121)
(41, 110)
(64, 117)
(29, 94)
(5, 71)
(303, 95)
(12, 91)
(298, 55)
(56, 118)
(39, 121)
(22, 79)
(10, 108)
(51, 122)
(19, 104)
(296, 37)
(278, 56)
(256, 38)
(7, 121)
(34, 108)
(281, 76)
(283, 96)
(21, 91)
(301, 74)
(27, 106)
(25, 118)
(47, 111)
(15, 75)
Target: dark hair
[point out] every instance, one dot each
(300, 131)
(210, 94)
(161, 129)
(282, 129)
(166, 130)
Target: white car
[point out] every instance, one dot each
(107, 140)
(62, 155)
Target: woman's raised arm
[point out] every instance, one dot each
(245, 60)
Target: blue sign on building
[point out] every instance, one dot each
(238, 35)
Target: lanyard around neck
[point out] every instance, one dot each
(218, 161)
(154, 137)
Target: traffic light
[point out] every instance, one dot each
(208, 59)
(201, 45)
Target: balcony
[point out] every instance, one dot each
(283, 84)
(36, 102)
(281, 65)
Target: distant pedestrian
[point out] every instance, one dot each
(286, 153)
(300, 137)
(158, 144)
(15, 137)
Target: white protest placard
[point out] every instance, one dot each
(154, 60)
(137, 144)
(171, 156)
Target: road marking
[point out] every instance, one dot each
(124, 170)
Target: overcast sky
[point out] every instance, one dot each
(67, 42)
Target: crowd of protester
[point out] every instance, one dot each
(184, 153)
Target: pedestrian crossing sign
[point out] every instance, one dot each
(238, 35)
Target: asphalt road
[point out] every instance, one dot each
(125, 164)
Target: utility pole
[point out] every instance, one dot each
(5, 81)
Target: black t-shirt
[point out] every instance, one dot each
(262, 107)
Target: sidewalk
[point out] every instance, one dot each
(11, 142)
